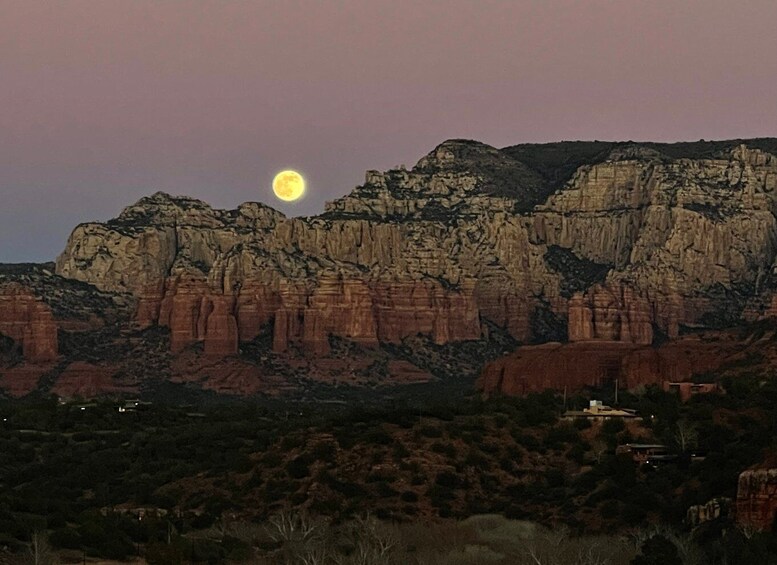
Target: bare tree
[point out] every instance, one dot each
(319, 556)
(689, 551)
(40, 551)
(593, 553)
(374, 543)
(748, 530)
(686, 435)
(302, 539)
(559, 547)
(545, 548)
(599, 449)
(290, 526)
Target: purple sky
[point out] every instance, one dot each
(102, 102)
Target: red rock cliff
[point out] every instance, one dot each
(650, 241)
(349, 308)
(29, 322)
(756, 504)
(610, 313)
(577, 365)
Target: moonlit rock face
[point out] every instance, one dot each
(288, 186)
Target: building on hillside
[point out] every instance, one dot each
(687, 389)
(133, 405)
(598, 411)
(653, 454)
(643, 452)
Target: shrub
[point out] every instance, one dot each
(291, 441)
(609, 509)
(324, 451)
(440, 496)
(66, 538)
(378, 436)
(577, 453)
(582, 424)
(271, 459)
(657, 550)
(528, 441)
(477, 459)
(400, 451)
(298, 468)
(613, 426)
(430, 431)
(506, 464)
(447, 449)
(560, 435)
(384, 489)
(447, 479)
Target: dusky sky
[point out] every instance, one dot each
(104, 101)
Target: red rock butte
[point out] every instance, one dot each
(611, 246)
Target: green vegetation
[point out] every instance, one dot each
(556, 162)
(113, 484)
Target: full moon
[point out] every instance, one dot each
(288, 185)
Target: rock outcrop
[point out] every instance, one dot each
(715, 509)
(610, 314)
(22, 379)
(85, 380)
(195, 314)
(635, 244)
(574, 366)
(349, 308)
(756, 503)
(612, 247)
(29, 322)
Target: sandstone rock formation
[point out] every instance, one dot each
(714, 509)
(610, 314)
(21, 379)
(29, 322)
(85, 380)
(756, 503)
(599, 363)
(638, 243)
(365, 277)
(616, 247)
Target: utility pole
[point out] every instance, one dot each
(616, 392)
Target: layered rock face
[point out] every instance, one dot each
(715, 509)
(29, 322)
(377, 266)
(633, 243)
(43, 319)
(610, 314)
(756, 503)
(575, 366)
(350, 308)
